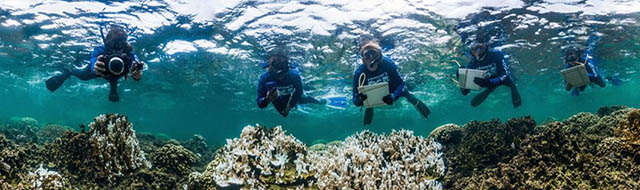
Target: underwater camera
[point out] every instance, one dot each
(115, 63)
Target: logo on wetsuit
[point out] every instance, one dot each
(492, 69)
(285, 90)
(384, 77)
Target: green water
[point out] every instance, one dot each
(203, 61)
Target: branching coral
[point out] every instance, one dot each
(629, 130)
(17, 159)
(49, 133)
(108, 151)
(260, 158)
(369, 161)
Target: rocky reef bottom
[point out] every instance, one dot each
(585, 151)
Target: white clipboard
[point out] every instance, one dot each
(576, 76)
(374, 92)
(466, 76)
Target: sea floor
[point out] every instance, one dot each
(598, 150)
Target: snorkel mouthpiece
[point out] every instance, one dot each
(116, 65)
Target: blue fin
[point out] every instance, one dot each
(614, 80)
(337, 102)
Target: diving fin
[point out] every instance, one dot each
(422, 108)
(478, 99)
(368, 116)
(337, 102)
(55, 82)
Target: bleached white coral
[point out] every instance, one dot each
(259, 158)
(43, 179)
(369, 161)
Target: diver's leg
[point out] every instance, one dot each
(422, 108)
(368, 116)
(516, 100)
(84, 74)
(55, 82)
(113, 93)
(476, 101)
(600, 82)
(309, 100)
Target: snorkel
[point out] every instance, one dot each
(371, 55)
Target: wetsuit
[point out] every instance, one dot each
(387, 72)
(289, 87)
(497, 67)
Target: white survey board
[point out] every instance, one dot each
(576, 76)
(466, 76)
(374, 93)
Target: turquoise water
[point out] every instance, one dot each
(203, 60)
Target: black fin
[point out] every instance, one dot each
(55, 82)
(481, 97)
(368, 116)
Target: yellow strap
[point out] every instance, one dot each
(457, 63)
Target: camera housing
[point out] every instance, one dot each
(116, 64)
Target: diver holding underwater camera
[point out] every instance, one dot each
(112, 61)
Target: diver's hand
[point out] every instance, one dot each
(361, 97)
(137, 73)
(285, 112)
(99, 67)
(568, 87)
(272, 94)
(388, 99)
(482, 82)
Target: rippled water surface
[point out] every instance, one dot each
(203, 60)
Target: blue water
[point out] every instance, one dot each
(203, 60)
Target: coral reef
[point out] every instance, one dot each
(109, 150)
(369, 161)
(198, 145)
(174, 159)
(43, 179)
(21, 130)
(49, 133)
(261, 158)
(585, 151)
(482, 144)
(16, 160)
(565, 155)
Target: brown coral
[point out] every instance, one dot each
(174, 159)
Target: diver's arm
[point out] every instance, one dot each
(394, 77)
(136, 74)
(262, 94)
(592, 71)
(503, 71)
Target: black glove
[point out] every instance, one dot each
(482, 82)
(388, 99)
(362, 97)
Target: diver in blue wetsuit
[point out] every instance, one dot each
(574, 56)
(281, 86)
(112, 61)
(377, 68)
(497, 67)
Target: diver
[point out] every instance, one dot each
(376, 68)
(497, 66)
(282, 86)
(574, 56)
(112, 61)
